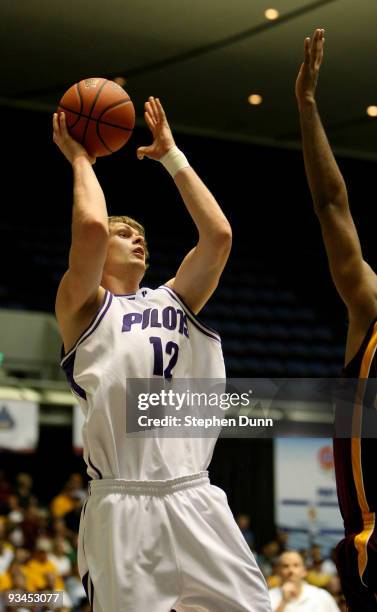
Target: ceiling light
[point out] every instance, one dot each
(372, 111)
(271, 14)
(255, 99)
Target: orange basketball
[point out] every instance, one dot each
(99, 114)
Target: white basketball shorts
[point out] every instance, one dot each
(154, 546)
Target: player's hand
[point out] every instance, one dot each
(162, 136)
(289, 591)
(306, 82)
(70, 148)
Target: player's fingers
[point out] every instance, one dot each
(313, 49)
(154, 108)
(160, 109)
(307, 50)
(150, 110)
(55, 125)
(63, 124)
(316, 44)
(319, 54)
(142, 152)
(149, 121)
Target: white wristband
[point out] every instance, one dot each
(174, 160)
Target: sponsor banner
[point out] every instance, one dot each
(19, 426)
(306, 504)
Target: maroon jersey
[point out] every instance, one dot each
(355, 468)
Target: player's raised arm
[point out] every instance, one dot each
(199, 273)
(79, 287)
(352, 276)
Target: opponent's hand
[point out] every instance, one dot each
(162, 136)
(70, 148)
(289, 591)
(306, 82)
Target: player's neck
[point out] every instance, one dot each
(120, 286)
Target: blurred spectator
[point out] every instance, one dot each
(16, 577)
(65, 501)
(23, 489)
(328, 564)
(75, 589)
(15, 511)
(6, 555)
(59, 558)
(243, 522)
(41, 568)
(51, 585)
(274, 580)
(294, 593)
(72, 518)
(30, 526)
(267, 559)
(316, 573)
(15, 518)
(282, 540)
(59, 530)
(335, 589)
(5, 490)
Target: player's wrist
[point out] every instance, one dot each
(80, 160)
(174, 160)
(306, 101)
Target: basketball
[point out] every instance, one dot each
(100, 115)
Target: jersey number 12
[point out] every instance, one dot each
(171, 349)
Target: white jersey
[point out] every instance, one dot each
(149, 334)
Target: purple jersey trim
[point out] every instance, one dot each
(211, 333)
(68, 367)
(85, 584)
(94, 467)
(92, 326)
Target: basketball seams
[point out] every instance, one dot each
(81, 102)
(102, 140)
(99, 122)
(105, 81)
(82, 115)
(113, 105)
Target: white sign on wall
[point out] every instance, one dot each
(19, 425)
(306, 504)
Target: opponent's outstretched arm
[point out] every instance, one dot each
(353, 278)
(80, 285)
(199, 273)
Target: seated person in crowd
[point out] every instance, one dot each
(294, 593)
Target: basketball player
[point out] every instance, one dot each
(357, 285)
(154, 534)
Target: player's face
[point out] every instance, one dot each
(291, 567)
(126, 247)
